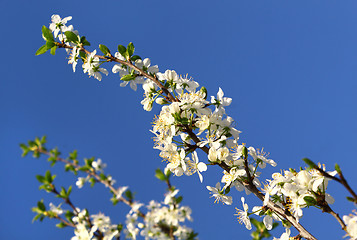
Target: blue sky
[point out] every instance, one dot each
(290, 67)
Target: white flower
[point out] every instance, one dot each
(98, 165)
(187, 83)
(56, 209)
(147, 104)
(120, 191)
(145, 65)
(351, 225)
(262, 156)
(169, 75)
(220, 100)
(268, 220)
(73, 59)
(58, 24)
(196, 166)
(169, 196)
(91, 66)
(80, 182)
(242, 215)
(218, 194)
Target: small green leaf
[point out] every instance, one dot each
(61, 225)
(49, 45)
(338, 169)
(40, 178)
(48, 176)
(204, 91)
(245, 152)
(69, 190)
(128, 77)
(179, 199)
(310, 201)
(122, 50)
(71, 37)
(160, 175)
(73, 155)
(53, 50)
(351, 199)
(104, 49)
(41, 206)
(131, 49)
(84, 41)
(41, 50)
(69, 215)
(36, 217)
(309, 162)
(129, 195)
(47, 34)
(135, 57)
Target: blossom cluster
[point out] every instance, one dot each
(161, 221)
(297, 190)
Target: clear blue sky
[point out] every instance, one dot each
(290, 67)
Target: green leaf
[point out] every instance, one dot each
(47, 34)
(71, 37)
(131, 49)
(73, 155)
(179, 199)
(245, 152)
(128, 77)
(135, 57)
(41, 206)
(122, 50)
(351, 199)
(41, 50)
(49, 45)
(310, 201)
(204, 91)
(84, 41)
(63, 193)
(69, 190)
(48, 176)
(61, 225)
(129, 195)
(69, 215)
(160, 175)
(36, 217)
(43, 140)
(53, 50)
(309, 162)
(104, 49)
(338, 169)
(40, 178)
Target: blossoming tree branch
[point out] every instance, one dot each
(190, 124)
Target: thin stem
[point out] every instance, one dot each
(65, 222)
(129, 64)
(328, 209)
(92, 174)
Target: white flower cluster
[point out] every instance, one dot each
(161, 220)
(99, 222)
(298, 190)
